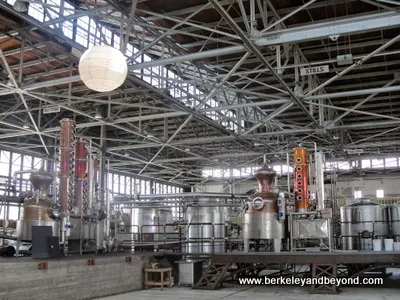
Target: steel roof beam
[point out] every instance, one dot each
(294, 35)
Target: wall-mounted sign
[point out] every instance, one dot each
(314, 70)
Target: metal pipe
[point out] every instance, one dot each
(389, 2)
(188, 195)
(319, 176)
(337, 119)
(307, 32)
(288, 15)
(355, 65)
(162, 206)
(21, 172)
(90, 178)
(256, 51)
(353, 93)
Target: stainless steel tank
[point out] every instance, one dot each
(37, 211)
(361, 222)
(148, 224)
(205, 229)
(260, 219)
(82, 229)
(395, 221)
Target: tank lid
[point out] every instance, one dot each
(364, 201)
(265, 170)
(41, 179)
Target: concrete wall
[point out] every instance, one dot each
(70, 278)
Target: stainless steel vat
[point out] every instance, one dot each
(362, 221)
(395, 221)
(24, 228)
(205, 230)
(80, 229)
(311, 229)
(148, 224)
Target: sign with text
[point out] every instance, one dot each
(51, 109)
(314, 70)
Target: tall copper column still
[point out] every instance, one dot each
(301, 178)
(67, 138)
(80, 171)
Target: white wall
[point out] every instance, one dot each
(369, 184)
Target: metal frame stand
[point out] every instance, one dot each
(324, 271)
(213, 277)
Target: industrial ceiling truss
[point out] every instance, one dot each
(211, 84)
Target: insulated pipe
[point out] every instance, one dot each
(319, 179)
(162, 206)
(80, 171)
(92, 178)
(191, 203)
(301, 178)
(66, 150)
(185, 195)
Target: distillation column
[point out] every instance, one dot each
(80, 172)
(301, 179)
(66, 176)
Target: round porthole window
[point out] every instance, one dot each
(258, 203)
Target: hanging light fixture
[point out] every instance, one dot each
(20, 6)
(103, 68)
(26, 124)
(98, 115)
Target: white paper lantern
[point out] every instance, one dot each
(103, 68)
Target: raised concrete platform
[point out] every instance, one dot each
(335, 257)
(83, 277)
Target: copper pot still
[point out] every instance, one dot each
(37, 210)
(260, 220)
(265, 177)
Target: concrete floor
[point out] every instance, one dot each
(258, 293)
(390, 290)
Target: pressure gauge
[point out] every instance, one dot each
(258, 203)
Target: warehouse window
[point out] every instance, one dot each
(377, 163)
(366, 163)
(344, 165)
(380, 193)
(357, 194)
(391, 162)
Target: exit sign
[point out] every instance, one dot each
(314, 70)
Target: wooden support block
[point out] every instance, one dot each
(43, 266)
